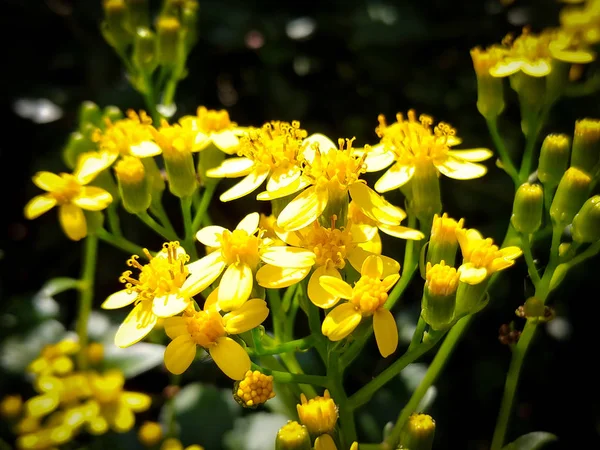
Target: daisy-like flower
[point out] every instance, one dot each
(413, 146)
(210, 330)
(319, 414)
(481, 258)
(237, 255)
(333, 173)
(157, 291)
(331, 249)
(71, 194)
(366, 298)
(582, 21)
(213, 127)
(267, 153)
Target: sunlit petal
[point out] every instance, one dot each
(179, 354)
(48, 181)
(225, 140)
(119, 299)
(336, 286)
(472, 275)
(249, 223)
(232, 168)
(136, 325)
(169, 305)
(250, 183)
(205, 272)
(273, 277)
(472, 154)
(374, 206)
(72, 221)
(539, 68)
(341, 321)
(39, 205)
(462, 170)
(209, 236)
(175, 327)
(378, 159)
(90, 164)
(401, 232)
(358, 255)
(504, 69)
(292, 257)
(235, 286)
(137, 401)
(304, 209)
(386, 332)
(316, 293)
(93, 198)
(231, 358)
(395, 177)
(372, 267)
(250, 315)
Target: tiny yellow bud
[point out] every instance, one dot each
(528, 208)
(134, 186)
(570, 196)
(171, 444)
(418, 432)
(255, 389)
(586, 223)
(586, 145)
(443, 243)
(292, 436)
(554, 159)
(490, 91)
(319, 414)
(439, 295)
(95, 352)
(150, 433)
(11, 406)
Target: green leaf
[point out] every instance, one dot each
(134, 360)
(254, 432)
(203, 413)
(531, 441)
(58, 285)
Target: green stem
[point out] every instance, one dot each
(434, 369)
(154, 225)
(119, 242)
(536, 121)
(172, 422)
(592, 250)
(149, 99)
(418, 334)
(159, 211)
(346, 412)
(203, 207)
(170, 88)
(296, 378)
(86, 295)
(189, 242)
(531, 268)
(277, 314)
(113, 219)
(285, 347)
(505, 158)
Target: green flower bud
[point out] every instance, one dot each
(418, 433)
(586, 145)
(570, 196)
(181, 173)
(293, 436)
(144, 50)
(189, 19)
(134, 186)
(443, 243)
(112, 113)
(114, 26)
(94, 221)
(528, 208)
(439, 295)
(89, 113)
(554, 159)
(470, 297)
(586, 223)
(76, 145)
(426, 195)
(169, 40)
(490, 90)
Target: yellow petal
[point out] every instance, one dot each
(472, 154)
(232, 168)
(372, 267)
(231, 358)
(580, 56)
(175, 327)
(202, 274)
(119, 299)
(317, 141)
(235, 286)
(358, 255)
(304, 209)
(389, 281)
(336, 286)
(72, 221)
(136, 325)
(395, 177)
(292, 257)
(273, 277)
(281, 179)
(90, 164)
(249, 184)
(137, 401)
(386, 332)
(462, 170)
(179, 354)
(472, 275)
(48, 181)
(378, 159)
(373, 246)
(210, 235)
(249, 223)
(145, 149)
(374, 206)
(38, 205)
(341, 321)
(504, 69)
(93, 198)
(297, 185)
(42, 405)
(512, 252)
(250, 315)
(539, 68)
(225, 140)
(325, 442)
(120, 417)
(212, 300)
(316, 293)
(401, 232)
(169, 305)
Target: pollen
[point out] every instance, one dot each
(130, 170)
(330, 245)
(255, 389)
(318, 414)
(368, 295)
(205, 327)
(118, 137)
(213, 121)
(442, 280)
(238, 246)
(162, 275)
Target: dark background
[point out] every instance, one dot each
(364, 58)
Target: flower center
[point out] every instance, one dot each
(368, 295)
(68, 191)
(330, 245)
(239, 246)
(118, 137)
(174, 139)
(212, 121)
(276, 144)
(205, 327)
(528, 46)
(484, 254)
(130, 170)
(163, 275)
(442, 280)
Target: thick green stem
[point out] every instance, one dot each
(418, 334)
(296, 378)
(505, 158)
(189, 242)
(285, 347)
(120, 242)
(159, 211)
(86, 296)
(346, 412)
(276, 313)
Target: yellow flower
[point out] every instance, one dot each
(318, 414)
(237, 254)
(55, 359)
(175, 444)
(267, 153)
(292, 436)
(116, 407)
(366, 298)
(481, 258)
(582, 21)
(70, 193)
(213, 127)
(48, 438)
(370, 227)
(150, 433)
(157, 292)
(330, 249)
(255, 389)
(332, 174)
(211, 331)
(55, 392)
(325, 442)
(412, 145)
(11, 406)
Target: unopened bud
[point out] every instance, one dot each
(570, 196)
(528, 208)
(470, 298)
(255, 389)
(150, 433)
(554, 159)
(134, 187)
(318, 414)
(443, 244)
(90, 113)
(292, 436)
(418, 433)
(144, 50)
(114, 27)
(112, 113)
(490, 90)
(586, 223)
(426, 195)
(586, 145)
(169, 40)
(439, 295)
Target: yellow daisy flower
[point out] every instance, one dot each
(70, 193)
(157, 292)
(333, 173)
(319, 414)
(481, 258)
(213, 127)
(331, 248)
(209, 329)
(366, 298)
(412, 146)
(582, 21)
(237, 255)
(267, 153)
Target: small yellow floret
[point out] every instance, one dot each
(442, 280)
(130, 170)
(330, 245)
(318, 414)
(444, 229)
(150, 433)
(422, 424)
(255, 389)
(212, 121)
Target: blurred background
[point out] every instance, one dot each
(334, 66)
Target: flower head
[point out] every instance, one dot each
(71, 194)
(213, 127)
(255, 389)
(210, 330)
(319, 414)
(366, 298)
(156, 292)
